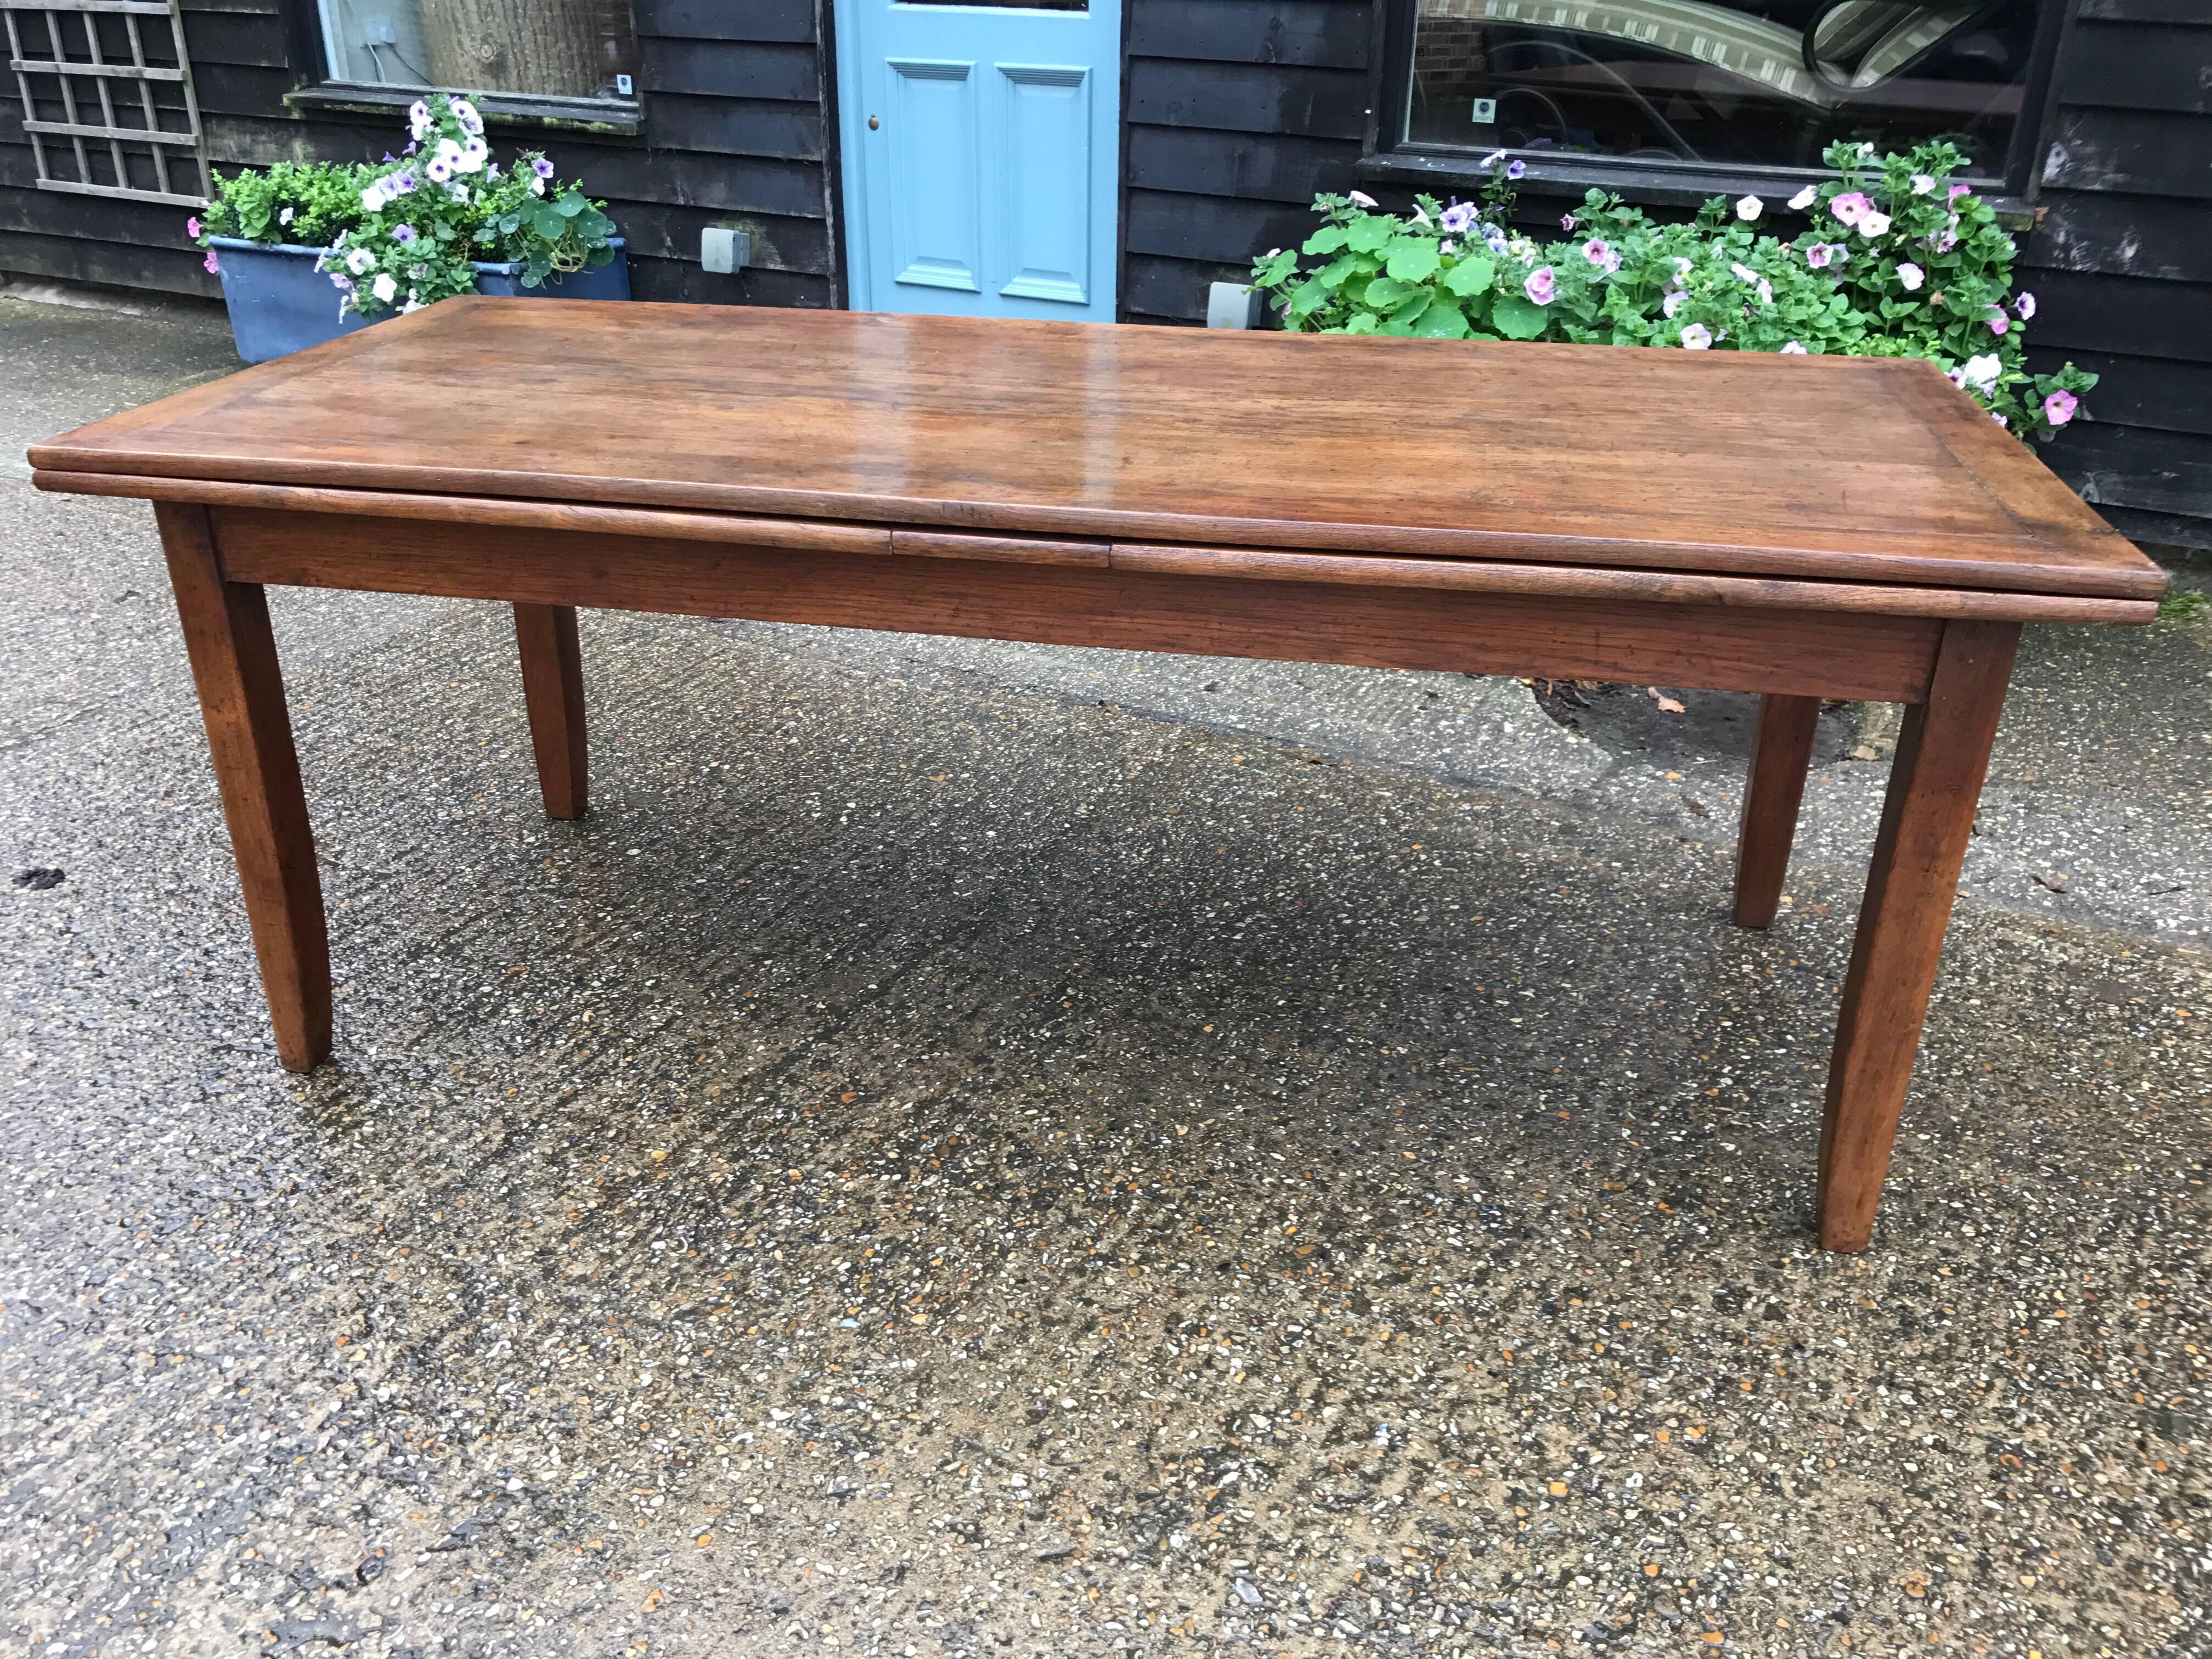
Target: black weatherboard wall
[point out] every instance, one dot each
(733, 95)
(2122, 261)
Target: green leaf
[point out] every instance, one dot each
(1326, 239)
(1333, 274)
(1517, 319)
(1442, 320)
(1413, 260)
(1469, 276)
(1368, 234)
(1386, 293)
(1362, 324)
(570, 205)
(1271, 269)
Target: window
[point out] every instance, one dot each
(544, 48)
(1761, 84)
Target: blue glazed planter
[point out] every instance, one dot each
(279, 303)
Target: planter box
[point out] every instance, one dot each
(280, 303)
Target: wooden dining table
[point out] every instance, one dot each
(1807, 528)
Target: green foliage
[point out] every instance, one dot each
(307, 204)
(405, 234)
(1897, 262)
(2184, 604)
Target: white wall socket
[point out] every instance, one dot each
(724, 250)
(1486, 112)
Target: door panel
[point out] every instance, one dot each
(980, 144)
(936, 239)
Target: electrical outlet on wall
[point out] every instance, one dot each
(623, 85)
(379, 32)
(1485, 113)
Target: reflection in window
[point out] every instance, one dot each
(564, 48)
(1765, 83)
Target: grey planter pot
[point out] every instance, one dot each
(279, 303)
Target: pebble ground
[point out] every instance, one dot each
(970, 1150)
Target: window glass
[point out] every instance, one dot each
(1761, 82)
(565, 48)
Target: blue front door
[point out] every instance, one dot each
(980, 144)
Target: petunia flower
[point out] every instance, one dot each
(1912, 276)
(285, 217)
(1515, 167)
(1600, 254)
(403, 233)
(1804, 198)
(360, 261)
(2058, 408)
(1541, 286)
(1672, 303)
(1490, 160)
(541, 167)
(2024, 305)
(1922, 183)
(1820, 254)
(1983, 372)
(1457, 219)
(385, 288)
(1851, 206)
(192, 227)
(1748, 208)
(209, 265)
(1999, 420)
(1697, 337)
(372, 199)
(1956, 191)
(1998, 322)
(1362, 199)
(1872, 223)
(1795, 348)
(438, 169)
(1566, 222)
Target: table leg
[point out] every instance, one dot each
(553, 690)
(1942, 754)
(1781, 751)
(241, 694)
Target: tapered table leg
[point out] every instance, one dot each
(553, 690)
(1942, 756)
(1781, 751)
(241, 694)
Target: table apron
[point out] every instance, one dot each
(1839, 654)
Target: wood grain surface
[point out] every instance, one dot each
(1862, 470)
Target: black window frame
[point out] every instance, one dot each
(315, 92)
(1389, 159)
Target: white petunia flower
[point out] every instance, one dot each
(384, 288)
(1874, 224)
(1982, 372)
(1804, 198)
(1912, 276)
(360, 261)
(1748, 208)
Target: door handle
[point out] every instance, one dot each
(873, 124)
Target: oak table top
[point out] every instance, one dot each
(1803, 528)
(1835, 469)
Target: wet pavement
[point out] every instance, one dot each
(974, 1149)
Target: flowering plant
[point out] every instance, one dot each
(404, 233)
(446, 202)
(1897, 262)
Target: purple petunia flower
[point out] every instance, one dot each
(1697, 337)
(1456, 220)
(2058, 408)
(1600, 254)
(1515, 167)
(1541, 286)
(1956, 191)
(1999, 420)
(1821, 255)
(1566, 222)
(541, 167)
(2026, 306)
(403, 233)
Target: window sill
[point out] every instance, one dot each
(1645, 185)
(612, 117)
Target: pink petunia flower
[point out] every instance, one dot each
(1999, 322)
(1600, 254)
(2058, 408)
(1956, 191)
(211, 267)
(1541, 286)
(192, 227)
(1850, 207)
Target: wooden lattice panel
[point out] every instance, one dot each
(107, 90)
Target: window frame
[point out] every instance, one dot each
(1392, 160)
(316, 93)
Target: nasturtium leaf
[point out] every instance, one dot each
(1367, 235)
(1442, 320)
(1362, 324)
(1326, 239)
(1413, 259)
(1517, 319)
(1469, 276)
(1386, 293)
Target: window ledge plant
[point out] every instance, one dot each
(1897, 262)
(407, 232)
